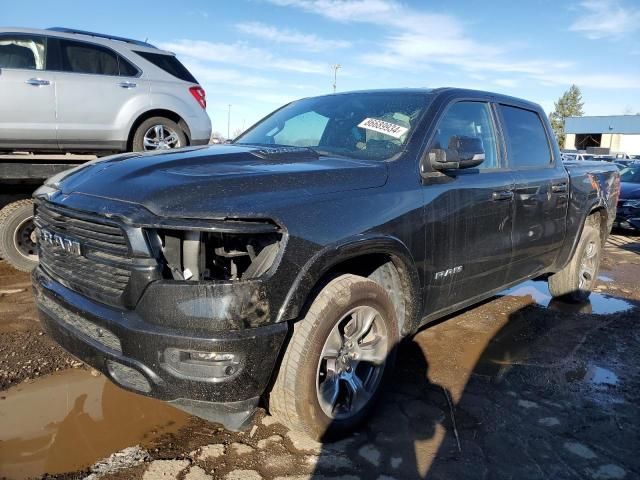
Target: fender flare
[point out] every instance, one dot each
(330, 256)
(598, 204)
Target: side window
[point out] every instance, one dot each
(303, 130)
(126, 68)
(526, 138)
(469, 119)
(80, 57)
(22, 51)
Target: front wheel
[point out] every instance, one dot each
(577, 279)
(158, 133)
(337, 360)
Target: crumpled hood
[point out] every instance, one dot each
(219, 181)
(629, 191)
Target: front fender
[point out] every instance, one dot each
(332, 255)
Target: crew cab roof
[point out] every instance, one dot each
(453, 92)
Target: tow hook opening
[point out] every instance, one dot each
(201, 255)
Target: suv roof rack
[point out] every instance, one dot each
(101, 35)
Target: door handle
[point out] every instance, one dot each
(37, 82)
(559, 188)
(128, 85)
(502, 195)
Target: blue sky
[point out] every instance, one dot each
(259, 54)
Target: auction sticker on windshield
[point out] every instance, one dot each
(381, 126)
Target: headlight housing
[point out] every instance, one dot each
(198, 255)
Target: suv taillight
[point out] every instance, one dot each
(200, 96)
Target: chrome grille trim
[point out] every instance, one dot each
(103, 270)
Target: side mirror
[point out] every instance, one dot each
(463, 152)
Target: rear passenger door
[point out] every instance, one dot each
(468, 214)
(540, 193)
(96, 91)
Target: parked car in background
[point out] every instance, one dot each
(628, 213)
(577, 156)
(76, 91)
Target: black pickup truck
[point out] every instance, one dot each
(286, 266)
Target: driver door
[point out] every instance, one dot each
(468, 214)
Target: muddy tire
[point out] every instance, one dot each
(577, 279)
(17, 242)
(158, 133)
(337, 360)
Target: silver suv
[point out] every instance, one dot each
(75, 91)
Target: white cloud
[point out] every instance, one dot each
(240, 53)
(591, 80)
(605, 19)
(506, 82)
(303, 41)
(222, 76)
(419, 40)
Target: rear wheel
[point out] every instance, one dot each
(576, 280)
(18, 246)
(158, 133)
(337, 360)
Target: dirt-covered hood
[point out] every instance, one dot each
(220, 180)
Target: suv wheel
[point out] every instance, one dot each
(17, 236)
(158, 133)
(337, 360)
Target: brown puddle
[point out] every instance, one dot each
(66, 421)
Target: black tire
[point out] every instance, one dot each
(16, 242)
(566, 283)
(294, 398)
(137, 143)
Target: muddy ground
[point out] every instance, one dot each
(518, 387)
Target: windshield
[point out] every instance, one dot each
(630, 174)
(371, 126)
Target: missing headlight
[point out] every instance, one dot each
(199, 255)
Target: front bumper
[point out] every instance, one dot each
(153, 359)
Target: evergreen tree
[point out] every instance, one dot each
(568, 105)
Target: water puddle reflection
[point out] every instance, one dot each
(65, 422)
(593, 375)
(597, 304)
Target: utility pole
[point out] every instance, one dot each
(335, 75)
(229, 123)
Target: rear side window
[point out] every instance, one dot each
(126, 68)
(79, 57)
(169, 64)
(526, 138)
(22, 51)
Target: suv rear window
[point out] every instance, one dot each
(169, 64)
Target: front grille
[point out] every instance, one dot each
(102, 269)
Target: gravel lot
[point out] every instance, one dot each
(518, 387)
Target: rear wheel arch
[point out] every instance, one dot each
(159, 112)
(385, 260)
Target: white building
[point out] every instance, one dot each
(618, 133)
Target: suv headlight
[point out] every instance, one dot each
(632, 204)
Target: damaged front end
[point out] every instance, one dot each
(177, 310)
